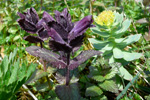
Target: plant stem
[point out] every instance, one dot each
(91, 7)
(68, 71)
(66, 5)
(41, 44)
(41, 5)
(48, 81)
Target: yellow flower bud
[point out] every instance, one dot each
(105, 18)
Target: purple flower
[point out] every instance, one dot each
(65, 35)
(29, 21)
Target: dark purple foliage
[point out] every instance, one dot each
(66, 38)
(47, 55)
(29, 21)
(82, 57)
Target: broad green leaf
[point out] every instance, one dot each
(96, 41)
(93, 91)
(118, 53)
(111, 60)
(119, 40)
(125, 26)
(131, 56)
(130, 39)
(125, 74)
(98, 78)
(93, 71)
(96, 30)
(70, 92)
(118, 18)
(111, 74)
(108, 47)
(109, 85)
(101, 97)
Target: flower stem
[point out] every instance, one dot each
(68, 71)
(48, 81)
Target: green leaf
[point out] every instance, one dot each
(13, 30)
(22, 72)
(31, 69)
(125, 74)
(70, 92)
(98, 78)
(130, 39)
(127, 87)
(101, 97)
(131, 56)
(119, 40)
(111, 74)
(96, 41)
(15, 70)
(118, 53)
(118, 18)
(93, 91)
(125, 26)
(4, 66)
(16, 37)
(101, 33)
(37, 75)
(109, 86)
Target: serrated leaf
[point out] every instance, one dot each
(31, 69)
(15, 70)
(70, 92)
(4, 66)
(98, 78)
(47, 55)
(93, 91)
(82, 57)
(117, 53)
(111, 74)
(109, 86)
(22, 72)
(93, 71)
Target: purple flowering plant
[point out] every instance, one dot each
(66, 38)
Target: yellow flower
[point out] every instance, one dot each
(105, 18)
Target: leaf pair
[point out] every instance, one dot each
(55, 60)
